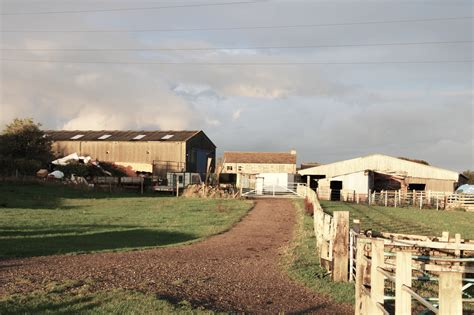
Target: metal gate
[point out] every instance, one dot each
(273, 191)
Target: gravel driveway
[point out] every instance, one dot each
(238, 271)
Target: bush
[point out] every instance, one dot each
(117, 170)
(75, 168)
(308, 207)
(10, 167)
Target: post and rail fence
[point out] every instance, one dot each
(394, 273)
(399, 198)
(332, 236)
(397, 276)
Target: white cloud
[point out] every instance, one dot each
(90, 118)
(236, 114)
(213, 122)
(87, 79)
(255, 91)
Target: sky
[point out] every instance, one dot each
(331, 79)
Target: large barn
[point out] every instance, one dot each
(271, 168)
(380, 172)
(154, 152)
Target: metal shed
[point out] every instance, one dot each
(380, 172)
(156, 152)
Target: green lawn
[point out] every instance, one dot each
(407, 220)
(302, 262)
(76, 298)
(40, 220)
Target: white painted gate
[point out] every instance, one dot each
(273, 191)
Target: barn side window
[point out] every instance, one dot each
(229, 167)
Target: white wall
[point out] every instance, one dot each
(277, 179)
(357, 181)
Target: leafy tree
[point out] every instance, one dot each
(470, 176)
(24, 146)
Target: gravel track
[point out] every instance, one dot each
(237, 271)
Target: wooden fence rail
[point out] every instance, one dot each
(390, 271)
(398, 198)
(376, 272)
(332, 236)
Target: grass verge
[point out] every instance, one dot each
(76, 298)
(37, 220)
(302, 262)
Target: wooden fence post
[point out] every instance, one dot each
(340, 246)
(377, 280)
(386, 198)
(318, 221)
(361, 267)
(445, 236)
(177, 186)
(403, 277)
(326, 239)
(450, 293)
(414, 198)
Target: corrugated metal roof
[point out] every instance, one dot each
(119, 135)
(381, 163)
(260, 157)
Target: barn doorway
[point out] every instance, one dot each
(336, 187)
(416, 187)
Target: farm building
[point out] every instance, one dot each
(379, 172)
(268, 168)
(154, 152)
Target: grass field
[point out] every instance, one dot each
(407, 220)
(40, 220)
(302, 262)
(76, 298)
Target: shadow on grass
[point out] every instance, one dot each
(50, 196)
(113, 240)
(68, 306)
(33, 230)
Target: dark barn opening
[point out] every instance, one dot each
(336, 187)
(416, 186)
(386, 182)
